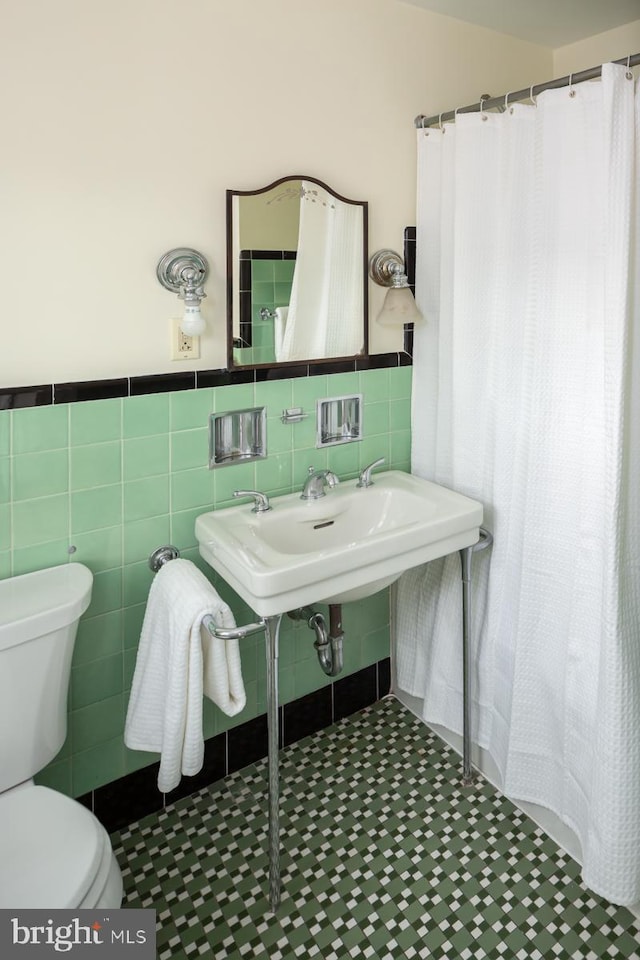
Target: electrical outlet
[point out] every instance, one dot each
(182, 346)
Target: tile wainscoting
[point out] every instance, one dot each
(103, 473)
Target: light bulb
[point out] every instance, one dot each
(192, 323)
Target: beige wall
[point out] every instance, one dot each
(124, 122)
(601, 48)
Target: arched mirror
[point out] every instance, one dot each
(296, 274)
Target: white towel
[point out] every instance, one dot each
(178, 660)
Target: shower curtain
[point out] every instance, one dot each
(326, 306)
(527, 397)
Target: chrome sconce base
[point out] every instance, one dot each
(181, 269)
(386, 267)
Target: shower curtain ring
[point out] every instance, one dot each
(426, 132)
(628, 74)
(572, 92)
(440, 127)
(483, 115)
(506, 104)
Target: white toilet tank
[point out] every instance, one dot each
(39, 615)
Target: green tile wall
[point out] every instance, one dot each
(271, 282)
(115, 479)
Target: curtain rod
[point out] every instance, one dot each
(490, 102)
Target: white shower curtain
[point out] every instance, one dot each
(326, 306)
(526, 397)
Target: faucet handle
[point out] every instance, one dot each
(261, 500)
(365, 474)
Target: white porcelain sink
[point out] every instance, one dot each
(344, 546)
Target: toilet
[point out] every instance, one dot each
(54, 853)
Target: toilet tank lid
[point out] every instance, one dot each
(35, 604)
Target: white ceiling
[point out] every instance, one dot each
(551, 23)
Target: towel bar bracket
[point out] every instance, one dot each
(161, 556)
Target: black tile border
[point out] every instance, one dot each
(409, 252)
(92, 390)
(161, 383)
(135, 795)
(223, 378)
(14, 398)
(57, 393)
(264, 374)
(378, 361)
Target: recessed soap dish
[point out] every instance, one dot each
(237, 436)
(339, 420)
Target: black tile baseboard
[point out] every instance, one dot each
(384, 677)
(247, 743)
(307, 715)
(129, 798)
(355, 692)
(134, 796)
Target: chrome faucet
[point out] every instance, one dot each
(314, 484)
(261, 500)
(365, 474)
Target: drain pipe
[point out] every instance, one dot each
(328, 645)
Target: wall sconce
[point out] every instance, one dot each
(184, 271)
(386, 268)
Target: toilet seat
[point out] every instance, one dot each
(53, 852)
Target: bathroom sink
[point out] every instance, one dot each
(342, 547)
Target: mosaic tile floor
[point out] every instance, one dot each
(384, 856)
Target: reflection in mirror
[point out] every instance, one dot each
(296, 274)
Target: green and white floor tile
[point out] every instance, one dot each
(384, 856)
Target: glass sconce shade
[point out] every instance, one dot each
(398, 308)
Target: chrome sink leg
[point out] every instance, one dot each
(272, 631)
(468, 775)
(466, 555)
